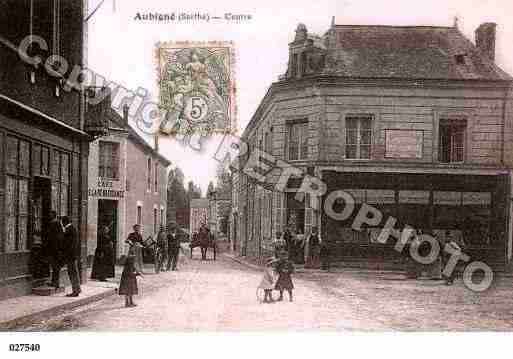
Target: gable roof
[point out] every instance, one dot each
(117, 123)
(412, 52)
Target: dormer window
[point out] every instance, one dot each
(460, 59)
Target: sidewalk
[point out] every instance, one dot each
(20, 310)
(390, 273)
(299, 268)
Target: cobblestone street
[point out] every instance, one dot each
(221, 295)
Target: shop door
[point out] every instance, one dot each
(108, 217)
(41, 206)
(42, 203)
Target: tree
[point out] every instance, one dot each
(177, 199)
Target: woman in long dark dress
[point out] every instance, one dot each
(103, 263)
(284, 268)
(128, 283)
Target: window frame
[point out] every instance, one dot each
(156, 176)
(149, 169)
(358, 117)
(107, 156)
(454, 124)
(303, 135)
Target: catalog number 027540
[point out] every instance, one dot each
(24, 347)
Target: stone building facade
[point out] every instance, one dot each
(45, 131)
(127, 185)
(414, 121)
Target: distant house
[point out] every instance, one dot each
(199, 214)
(416, 121)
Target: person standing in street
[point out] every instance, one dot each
(136, 245)
(162, 249)
(53, 247)
(287, 238)
(284, 268)
(313, 242)
(128, 283)
(173, 243)
(71, 255)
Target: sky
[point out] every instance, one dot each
(122, 49)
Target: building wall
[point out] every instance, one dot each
(138, 193)
(32, 121)
(118, 187)
(14, 73)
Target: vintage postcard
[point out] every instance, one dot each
(275, 167)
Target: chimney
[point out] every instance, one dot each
(485, 39)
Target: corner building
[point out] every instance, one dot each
(413, 120)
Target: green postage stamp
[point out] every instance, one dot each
(197, 87)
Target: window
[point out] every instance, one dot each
(298, 141)
(293, 66)
(162, 219)
(17, 194)
(139, 215)
(358, 137)
(156, 177)
(155, 220)
(267, 143)
(148, 171)
(109, 160)
(460, 59)
(452, 141)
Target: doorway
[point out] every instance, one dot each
(42, 202)
(108, 216)
(41, 207)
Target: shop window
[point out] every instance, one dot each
(358, 137)
(298, 141)
(467, 213)
(452, 141)
(109, 160)
(17, 194)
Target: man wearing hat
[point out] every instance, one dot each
(173, 245)
(314, 246)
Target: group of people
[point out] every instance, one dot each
(61, 247)
(310, 251)
(167, 250)
(291, 247)
(448, 244)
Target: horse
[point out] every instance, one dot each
(205, 242)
